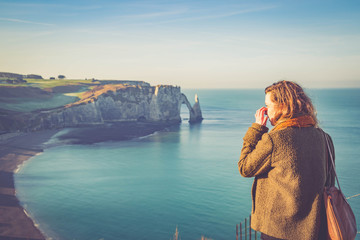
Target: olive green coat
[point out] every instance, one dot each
(289, 166)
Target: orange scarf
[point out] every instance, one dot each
(302, 121)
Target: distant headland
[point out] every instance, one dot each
(67, 103)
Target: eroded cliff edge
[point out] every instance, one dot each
(107, 104)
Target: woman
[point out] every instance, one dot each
(289, 165)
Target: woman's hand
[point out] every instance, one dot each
(260, 117)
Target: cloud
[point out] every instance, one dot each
(50, 6)
(25, 21)
(229, 14)
(186, 15)
(154, 14)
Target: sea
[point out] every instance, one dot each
(183, 178)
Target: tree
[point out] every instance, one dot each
(33, 76)
(61, 77)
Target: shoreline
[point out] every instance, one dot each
(15, 223)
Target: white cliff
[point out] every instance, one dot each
(120, 103)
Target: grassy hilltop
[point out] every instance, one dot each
(26, 93)
(22, 94)
(18, 80)
(34, 94)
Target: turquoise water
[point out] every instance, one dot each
(185, 177)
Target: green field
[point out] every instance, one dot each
(58, 99)
(50, 83)
(30, 104)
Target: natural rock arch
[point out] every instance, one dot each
(194, 111)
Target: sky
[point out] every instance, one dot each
(189, 43)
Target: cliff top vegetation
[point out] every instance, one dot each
(18, 91)
(95, 92)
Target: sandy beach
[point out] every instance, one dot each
(14, 150)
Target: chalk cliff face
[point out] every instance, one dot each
(118, 103)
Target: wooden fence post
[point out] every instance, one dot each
(245, 230)
(240, 228)
(250, 227)
(237, 232)
(240, 231)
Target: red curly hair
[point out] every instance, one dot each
(291, 100)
